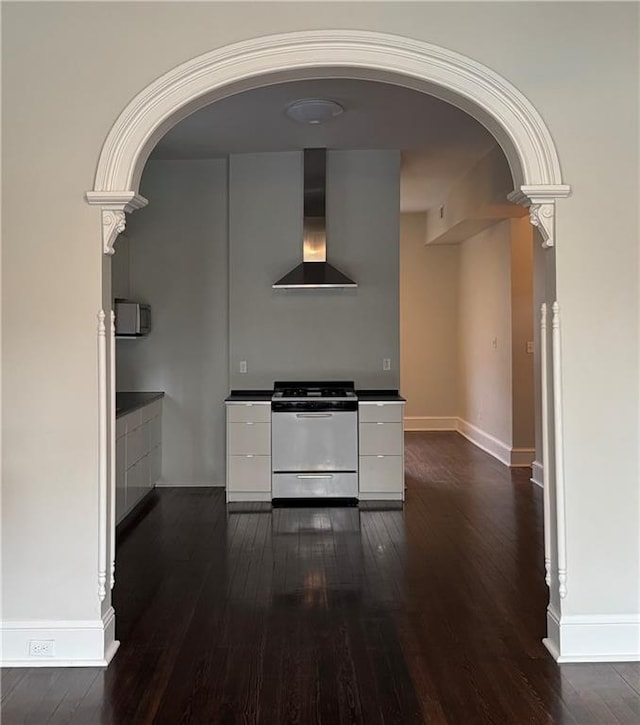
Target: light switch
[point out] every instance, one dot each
(386, 363)
(530, 347)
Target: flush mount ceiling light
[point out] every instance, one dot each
(313, 110)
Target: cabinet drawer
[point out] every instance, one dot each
(133, 420)
(249, 438)
(381, 474)
(381, 439)
(249, 473)
(380, 412)
(153, 410)
(155, 431)
(249, 412)
(155, 465)
(121, 426)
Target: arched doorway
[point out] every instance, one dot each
(486, 96)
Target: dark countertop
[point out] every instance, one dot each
(128, 402)
(242, 396)
(373, 396)
(379, 396)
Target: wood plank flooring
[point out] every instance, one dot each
(431, 613)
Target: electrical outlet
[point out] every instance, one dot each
(243, 366)
(386, 363)
(530, 347)
(42, 648)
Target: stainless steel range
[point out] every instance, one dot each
(314, 440)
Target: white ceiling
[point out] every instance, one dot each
(438, 141)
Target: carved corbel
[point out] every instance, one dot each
(115, 205)
(113, 223)
(541, 202)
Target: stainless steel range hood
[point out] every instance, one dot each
(314, 272)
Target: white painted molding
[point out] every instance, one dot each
(546, 470)
(426, 423)
(542, 207)
(594, 638)
(537, 474)
(114, 205)
(478, 90)
(112, 449)
(77, 643)
(559, 451)
(103, 455)
(485, 441)
(522, 457)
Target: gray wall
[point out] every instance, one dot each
(323, 333)
(178, 263)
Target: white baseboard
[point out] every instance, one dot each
(429, 422)
(536, 474)
(185, 484)
(485, 441)
(522, 457)
(594, 638)
(76, 643)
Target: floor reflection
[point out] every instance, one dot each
(317, 556)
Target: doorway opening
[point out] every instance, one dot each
(364, 56)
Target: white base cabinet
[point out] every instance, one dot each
(248, 450)
(138, 455)
(381, 455)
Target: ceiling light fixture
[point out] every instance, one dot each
(313, 110)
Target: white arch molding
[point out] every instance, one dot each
(469, 85)
(461, 81)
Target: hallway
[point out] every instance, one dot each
(431, 614)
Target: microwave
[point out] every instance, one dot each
(133, 319)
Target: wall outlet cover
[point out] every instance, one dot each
(42, 648)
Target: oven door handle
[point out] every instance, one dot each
(315, 475)
(314, 415)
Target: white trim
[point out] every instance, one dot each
(546, 466)
(537, 474)
(522, 457)
(559, 451)
(594, 638)
(473, 87)
(485, 441)
(112, 449)
(188, 484)
(77, 643)
(430, 422)
(103, 455)
(512, 457)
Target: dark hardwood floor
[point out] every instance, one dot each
(428, 614)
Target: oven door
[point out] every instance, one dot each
(314, 441)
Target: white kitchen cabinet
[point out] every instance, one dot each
(138, 455)
(248, 450)
(381, 450)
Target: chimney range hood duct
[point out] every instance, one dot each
(314, 272)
